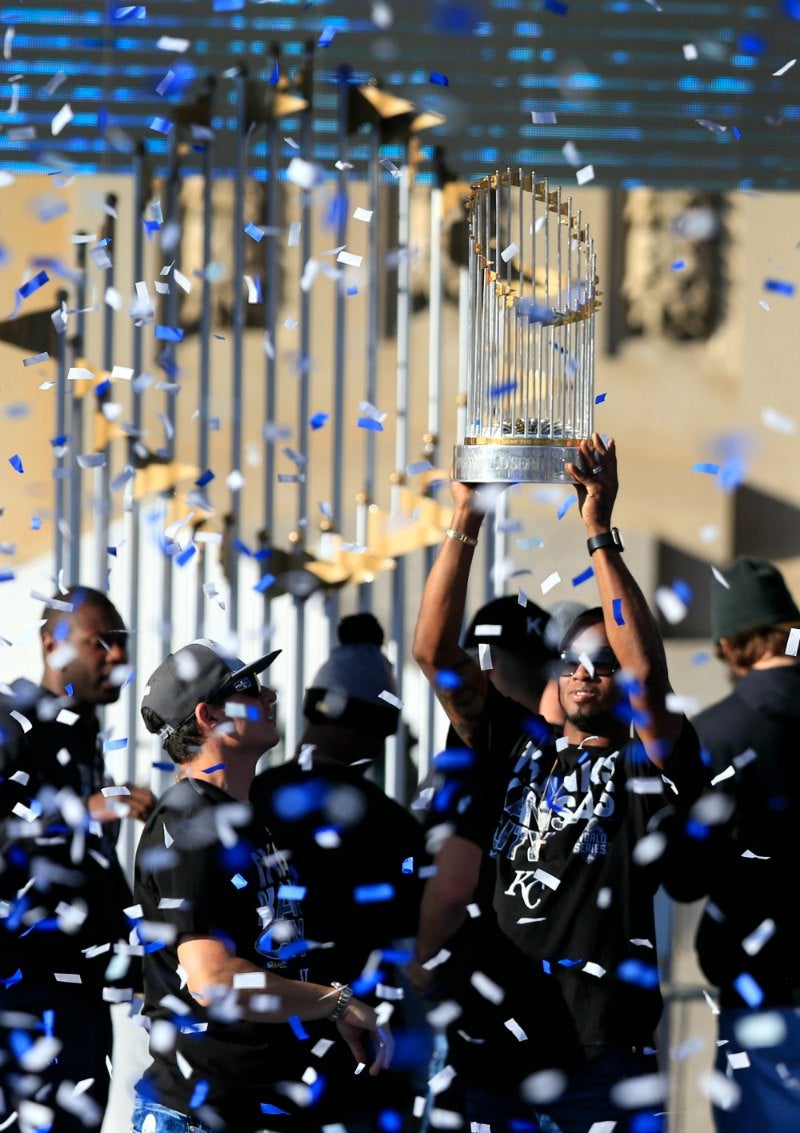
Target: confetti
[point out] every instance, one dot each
(708, 468)
(782, 70)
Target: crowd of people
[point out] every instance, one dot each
(310, 954)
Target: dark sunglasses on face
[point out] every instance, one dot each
(603, 662)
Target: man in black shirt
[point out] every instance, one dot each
(226, 992)
(560, 1000)
(64, 949)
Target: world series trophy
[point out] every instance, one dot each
(532, 302)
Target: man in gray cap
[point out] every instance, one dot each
(221, 923)
(743, 857)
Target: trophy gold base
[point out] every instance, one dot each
(512, 463)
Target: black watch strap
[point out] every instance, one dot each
(610, 538)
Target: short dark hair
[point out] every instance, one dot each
(183, 744)
(77, 596)
(744, 649)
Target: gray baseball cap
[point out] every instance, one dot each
(201, 671)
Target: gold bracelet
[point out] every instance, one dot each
(461, 538)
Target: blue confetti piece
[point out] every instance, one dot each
(57, 442)
(616, 605)
(326, 37)
(566, 963)
(199, 1094)
(115, 745)
(266, 1107)
(683, 590)
(205, 478)
(70, 688)
(238, 881)
(737, 133)
(372, 894)
(397, 955)
(169, 334)
(130, 12)
(11, 980)
(183, 557)
(291, 892)
(254, 232)
(679, 265)
(454, 759)
(264, 553)
(318, 420)
(702, 657)
(779, 286)
(264, 583)
(242, 548)
(216, 767)
(445, 678)
(752, 44)
(39, 280)
(102, 388)
(703, 466)
(407, 865)
(569, 502)
(749, 990)
(7, 575)
(16, 463)
(699, 831)
(556, 7)
(161, 125)
(352, 290)
(639, 973)
(151, 227)
(161, 765)
(297, 1026)
(499, 391)
(584, 576)
(439, 79)
(600, 398)
(370, 423)
(390, 1121)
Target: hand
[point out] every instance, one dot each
(141, 802)
(422, 979)
(596, 483)
(357, 1019)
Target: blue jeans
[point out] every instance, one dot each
(150, 1117)
(768, 1098)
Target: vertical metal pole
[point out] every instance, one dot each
(61, 431)
(367, 492)
(332, 604)
(76, 427)
(293, 723)
(428, 700)
(102, 502)
(133, 549)
(271, 283)
(204, 385)
(396, 770)
(237, 328)
(168, 364)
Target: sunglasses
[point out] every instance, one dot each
(604, 663)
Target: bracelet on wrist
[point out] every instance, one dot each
(344, 997)
(460, 537)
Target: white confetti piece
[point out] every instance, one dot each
(689, 51)
(543, 117)
(793, 643)
(720, 577)
(778, 421)
(302, 173)
(782, 70)
(585, 175)
(350, 259)
(571, 154)
(61, 119)
(363, 214)
(295, 228)
(513, 1026)
(487, 988)
(509, 253)
(763, 303)
(551, 581)
(485, 656)
(390, 698)
(171, 43)
(673, 608)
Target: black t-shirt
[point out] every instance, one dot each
(59, 871)
(563, 960)
(204, 868)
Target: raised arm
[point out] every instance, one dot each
(441, 612)
(629, 623)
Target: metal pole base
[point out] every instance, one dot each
(512, 464)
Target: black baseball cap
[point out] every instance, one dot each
(198, 672)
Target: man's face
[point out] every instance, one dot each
(250, 717)
(587, 698)
(100, 643)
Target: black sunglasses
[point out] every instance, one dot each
(604, 663)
